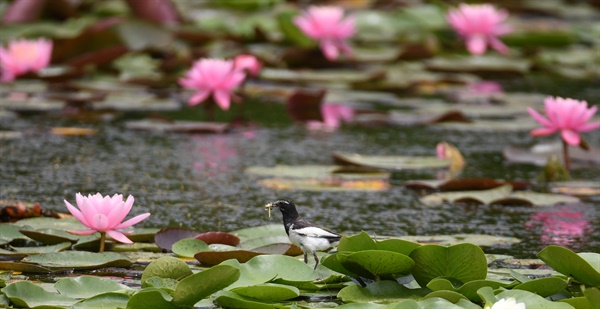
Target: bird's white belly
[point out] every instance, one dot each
(308, 243)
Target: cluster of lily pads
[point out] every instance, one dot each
(257, 268)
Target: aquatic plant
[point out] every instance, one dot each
(567, 116)
(247, 63)
(507, 303)
(104, 215)
(333, 115)
(216, 77)
(23, 56)
(479, 25)
(327, 25)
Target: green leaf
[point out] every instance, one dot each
(463, 262)
(193, 288)
(79, 260)
(571, 264)
(397, 245)
(376, 263)
(28, 295)
(151, 298)
(448, 295)
(379, 291)
(10, 232)
(392, 163)
(264, 268)
(357, 242)
(268, 291)
(166, 284)
(50, 236)
(532, 300)
(104, 300)
(259, 232)
(469, 289)
(43, 249)
(228, 299)
(187, 247)
(166, 267)
(543, 286)
(291, 32)
(87, 286)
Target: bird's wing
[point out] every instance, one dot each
(306, 229)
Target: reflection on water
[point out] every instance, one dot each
(562, 225)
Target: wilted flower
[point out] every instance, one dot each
(104, 215)
(447, 151)
(328, 25)
(479, 25)
(22, 56)
(567, 116)
(507, 303)
(212, 76)
(248, 63)
(333, 115)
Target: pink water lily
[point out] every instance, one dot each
(247, 63)
(23, 56)
(104, 215)
(567, 116)
(216, 77)
(327, 25)
(480, 25)
(333, 115)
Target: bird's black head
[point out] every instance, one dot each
(287, 208)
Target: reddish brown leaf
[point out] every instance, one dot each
(216, 257)
(23, 11)
(165, 238)
(219, 238)
(304, 105)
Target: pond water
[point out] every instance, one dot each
(198, 181)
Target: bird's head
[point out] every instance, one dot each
(287, 208)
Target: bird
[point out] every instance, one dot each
(309, 237)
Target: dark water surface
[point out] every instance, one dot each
(198, 181)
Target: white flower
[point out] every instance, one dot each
(509, 303)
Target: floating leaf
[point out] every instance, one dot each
(260, 231)
(374, 264)
(87, 286)
(151, 298)
(10, 232)
(540, 153)
(285, 249)
(463, 262)
(544, 287)
(195, 287)
(480, 240)
(462, 184)
(321, 76)
(576, 187)
(467, 290)
(177, 126)
(325, 185)
(228, 299)
(104, 300)
(72, 131)
(50, 236)
(480, 64)
(25, 294)
(268, 291)
(79, 260)
(394, 163)
(317, 172)
(24, 267)
(216, 257)
(43, 249)
(532, 300)
(166, 267)
(219, 238)
(265, 268)
(584, 268)
(379, 291)
(187, 247)
(165, 238)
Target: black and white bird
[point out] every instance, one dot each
(309, 237)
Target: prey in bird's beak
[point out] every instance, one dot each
(268, 208)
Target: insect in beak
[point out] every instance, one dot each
(268, 207)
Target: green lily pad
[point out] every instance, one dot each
(279, 248)
(334, 185)
(143, 234)
(264, 241)
(374, 264)
(540, 153)
(321, 76)
(166, 237)
(177, 126)
(316, 172)
(259, 232)
(480, 64)
(200, 285)
(50, 236)
(43, 249)
(151, 298)
(79, 260)
(87, 286)
(530, 300)
(358, 242)
(187, 247)
(448, 295)
(397, 245)
(104, 300)
(25, 294)
(10, 232)
(516, 124)
(393, 163)
(228, 299)
(268, 291)
(380, 291)
(544, 287)
(24, 267)
(582, 267)
(167, 284)
(42, 223)
(264, 268)
(480, 240)
(502, 195)
(467, 290)
(463, 262)
(166, 267)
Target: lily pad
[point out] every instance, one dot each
(177, 126)
(87, 286)
(380, 291)
(260, 231)
(166, 237)
(219, 238)
(317, 172)
(321, 76)
(42, 223)
(480, 64)
(166, 267)
(583, 267)
(10, 232)
(530, 300)
(104, 300)
(187, 247)
(462, 184)
(200, 285)
(374, 264)
(268, 291)
(151, 298)
(502, 195)
(265, 268)
(25, 294)
(79, 260)
(576, 187)
(24, 267)
(481, 240)
(43, 249)
(216, 257)
(393, 163)
(228, 299)
(325, 185)
(539, 154)
(50, 236)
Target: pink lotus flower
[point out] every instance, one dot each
(248, 63)
(104, 215)
(328, 25)
(24, 56)
(212, 76)
(567, 116)
(480, 25)
(333, 115)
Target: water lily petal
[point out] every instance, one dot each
(543, 131)
(76, 213)
(538, 117)
(222, 98)
(82, 232)
(118, 236)
(476, 44)
(133, 221)
(199, 96)
(329, 49)
(100, 222)
(571, 137)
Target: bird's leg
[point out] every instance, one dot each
(316, 259)
(305, 258)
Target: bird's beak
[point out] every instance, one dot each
(268, 208)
